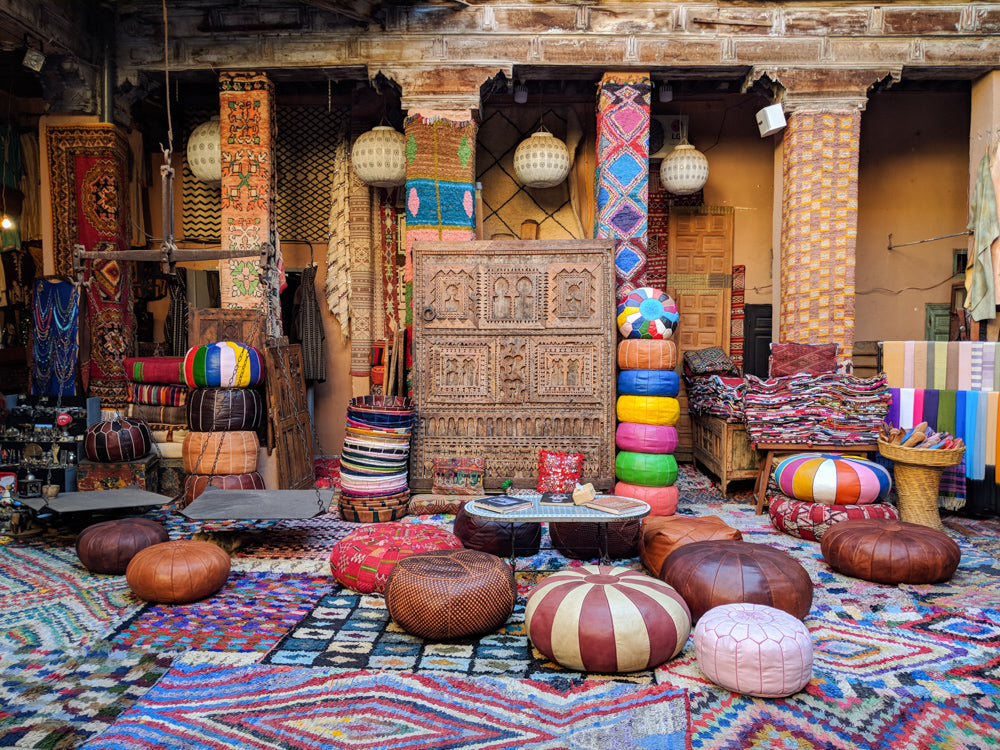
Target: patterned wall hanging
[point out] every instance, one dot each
(362, 280)
(201, 209)
(623, 173)
(660, 202)
(338, 242)
(54, 339)
(387, 228)
(737, 314)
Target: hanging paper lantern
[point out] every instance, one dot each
(684, 171)
(204, 153)
(647, 313)
(379, 157)
(541, 161)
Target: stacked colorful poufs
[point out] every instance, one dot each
(647, 400)
(814, 491)
(224, 411)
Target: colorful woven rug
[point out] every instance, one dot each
(55, 324)
(623, 173)
(362, 270)
(737, 314)
(388, 255)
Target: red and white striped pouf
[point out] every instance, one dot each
(811, 521)
(754, 649)
(601, 618)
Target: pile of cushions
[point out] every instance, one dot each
(158, 396)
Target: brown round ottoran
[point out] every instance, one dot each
(225, 409)
(195, 484)
(177, 572)
(892, 552)
(647, 354)
(588, 541)
(109, 546)
(221, 452)
(707, 574)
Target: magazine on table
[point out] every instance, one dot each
(503, 503)
(561, 499)
(615, 504)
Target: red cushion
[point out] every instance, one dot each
(812, 520)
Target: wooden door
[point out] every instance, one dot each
(757, 349)
(288, 413)
(699, 278)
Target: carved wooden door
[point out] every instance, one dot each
(513, 352)
(288, 412)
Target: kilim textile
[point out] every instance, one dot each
(623, 173)
(737, 315)
(54, 338)
(362, 276)
(387, 253)
(789, 358)
(819, 228)
(718, 396)
(160, 395)
(167, 370)
(201, 210)
(338, 243)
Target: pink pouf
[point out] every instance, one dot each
(662, 501)
(754, 649)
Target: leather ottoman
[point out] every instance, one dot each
(711, 573)
(451, 593)
(584, 541)
(177, 572)
(663, 534)
(496, 537)
(109, 546)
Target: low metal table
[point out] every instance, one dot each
(538, 513)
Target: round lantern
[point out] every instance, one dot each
(684, 170)
(204, 153)
(541, 161)
(119, 439)
(379, 157)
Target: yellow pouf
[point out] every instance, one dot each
(663, 410)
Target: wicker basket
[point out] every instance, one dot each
(918, 476)
(921, 456)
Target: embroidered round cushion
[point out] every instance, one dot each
(448, 594)
(646, 469)
(606, 619)
(647, 354)
(363, 559)
(832, 479)
(119, 439)
(109, 546)
(648, 382)
(754, 649)
(177, 572)
(716, 572)
(195, 484)
(647, 313)
(588, 541)
(222, 409)
(646, 438)
(496, 537)
(223, 364)
(221, 452)
(662, 501)
(890, 552)
(661, 410)
(812, 520)
(661, 535)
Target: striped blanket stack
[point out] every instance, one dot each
(157, 395)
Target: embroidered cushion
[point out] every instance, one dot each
(790, 358)
(558, 472)
(428, 504)
(223, 364)
(832, 479)
(812, 520)
(647, 313)
(648, 382)
(458, 476)
(710, 361)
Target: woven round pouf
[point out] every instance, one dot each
(599, 618)
(811, 521)
(588, 541)
(662, 535)
(177, 572)
(754, 649)
(450, 593)
(109, 546)
(496, 537)
(708, 574)
(891, 552)
(363, 559)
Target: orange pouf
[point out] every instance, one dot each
(177, 572)
(661, 500)
(216, 453)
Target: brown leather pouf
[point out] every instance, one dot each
(892, 552)
(707, 574)
(661, 535)
(177, 572)
(450, 593)
(495, 536)
(218, 453)
(584, 541)
(109, 546)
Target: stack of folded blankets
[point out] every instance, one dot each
(374, 484)
(158, 396)
(714, 384)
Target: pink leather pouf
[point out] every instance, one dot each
(754, 649)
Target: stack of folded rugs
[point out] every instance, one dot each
(158, 396)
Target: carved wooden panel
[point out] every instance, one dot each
(288, 413)
(211, 324)
(513, 352)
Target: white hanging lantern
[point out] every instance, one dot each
(541, 161)
(379, 157)
(204, 153)
(684, 170)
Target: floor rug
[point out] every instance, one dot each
(280, 707)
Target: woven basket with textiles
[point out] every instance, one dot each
(918, 475)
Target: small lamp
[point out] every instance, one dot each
(684, 170)
(379, 157)
(542, 160)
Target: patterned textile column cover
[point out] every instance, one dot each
(387, 226)
(623, 173)
(820, 228)
(737, 314)
(362, 281)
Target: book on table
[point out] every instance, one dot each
(563, 499)
(503, 503)
(615, 504)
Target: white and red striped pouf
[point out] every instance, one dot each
(754, 649)
(606, 619)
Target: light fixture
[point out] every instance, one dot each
(6, 222)
(770, 120)
(204, 153)
(684, 170)
(542, 160)
(33, 59)
(379, 157)
(521, 93)
(665, 93)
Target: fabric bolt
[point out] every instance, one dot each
(965, 367)
(951, 370)
(906, 408)
(908, 365)
(985, 229)
(160, 395)
(989, 366)
(976, 366)
(918, 406)
(920, 364)
(737, 314)
(993, 401)
(940, 364)
(931, 401)
(892, 362)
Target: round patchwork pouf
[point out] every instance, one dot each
(647, 313)
(177, 572)
(450, 594)
(832, 479)
(754, 649)
(363, 559)
(588, 541)
(606, 619)
(223, 364)
(109, 546)
(497, 537)
(891, 552)
(811, 521)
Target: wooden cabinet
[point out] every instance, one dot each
(724, 449)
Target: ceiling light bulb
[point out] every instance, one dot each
(520, 93)
(666, 93)
(6, 222)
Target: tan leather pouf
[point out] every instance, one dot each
(216, 453)
(661, 535)
(177, 572)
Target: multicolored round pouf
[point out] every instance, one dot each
(606, 619)
(832, 479)
(811, 521)
(647, 313)
(223, 364)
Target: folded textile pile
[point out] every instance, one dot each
(158, 396)
(828, 409)
(717, 396)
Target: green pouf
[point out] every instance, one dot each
(646, 469)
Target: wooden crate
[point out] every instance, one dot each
(92, 475)
(724, 449)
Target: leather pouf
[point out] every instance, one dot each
(649, 382)
(647, 313)
(109, 546)
(223, 364)
(606, 619)
(195, 484)
(223, 409)
(450, 594)
(812, 520)
(832, 479)
(662, 410)
(177, 572)
(221, 452)
(363, 559)
(584, 541)
(661, 535)
(891, 552)
(494, 537)
(708, 574)
(646, 438)
(662, 501)
(754, 649)
(647, 354)
(646, 469)
(116, 440)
